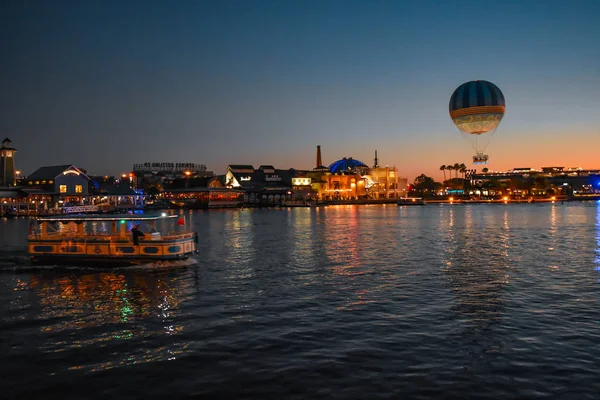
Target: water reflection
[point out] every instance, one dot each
(597, 250)
(476, 264)
(341, 231)
(345, 251)
(240, 242)
(84, 311)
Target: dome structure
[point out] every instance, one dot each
(346, 165)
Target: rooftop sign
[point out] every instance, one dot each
(169, 166)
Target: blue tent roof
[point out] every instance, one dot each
(346, 164)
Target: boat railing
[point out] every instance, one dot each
(107, 236)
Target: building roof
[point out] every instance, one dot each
(9, 194)
(52, 172)
(111, 189)
(191, 182)
(28, 191)
(5, 144)
(346, 165)
(241, 166)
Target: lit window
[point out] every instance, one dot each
(37, 182)
(50, 181)
(63, 188)
(78, 189)
(30, 183)
(43, 182)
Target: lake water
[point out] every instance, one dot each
(440, 301)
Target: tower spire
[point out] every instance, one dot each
(319, 162)
(7, 163)
(376, 165)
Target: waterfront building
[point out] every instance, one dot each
(302, 186)
(151, 176)
(115, 194)
(265, 185)
(8, 173)
(344, 181)
(58, 184)
(527, 181)
(349, 178)
(202, 192)
(10, 199)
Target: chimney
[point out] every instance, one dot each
(376, 161)
(319, 162)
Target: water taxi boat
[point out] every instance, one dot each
(93, 239)
(411, 201)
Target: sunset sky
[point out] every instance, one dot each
(105, 84)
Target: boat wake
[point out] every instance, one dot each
(22, 263)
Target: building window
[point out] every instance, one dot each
(78, 189)
(37, 182)
(43, 182)
(30, 183)
(51, 181)
(63, 188)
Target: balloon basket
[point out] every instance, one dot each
(480, 159)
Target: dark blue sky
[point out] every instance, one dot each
(105, 84)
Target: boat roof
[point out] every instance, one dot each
(100, 217)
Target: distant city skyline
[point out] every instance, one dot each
(104, 85)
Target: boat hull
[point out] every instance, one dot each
(411, 202)
(122, 252)
(102, 262)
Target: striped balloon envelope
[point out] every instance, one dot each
(477, 107)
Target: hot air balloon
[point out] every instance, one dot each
(476, 108)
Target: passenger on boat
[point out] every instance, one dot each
(136, 233)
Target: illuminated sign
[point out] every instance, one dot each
(169, 166)
(245, 178)
(71, 172)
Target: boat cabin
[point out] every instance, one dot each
(108, 238)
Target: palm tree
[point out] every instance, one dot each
(485, 170)
(449, 167)
(443, 168)
(456, 169)
(463, 170)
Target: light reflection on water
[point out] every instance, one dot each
(597, 259)
(109, 306)
(496, 301)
